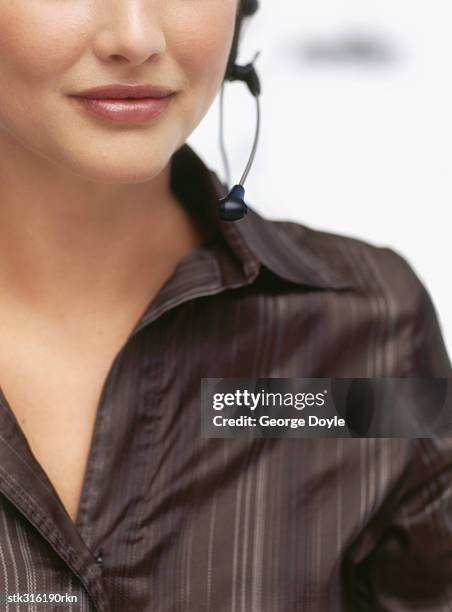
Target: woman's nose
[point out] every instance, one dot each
(132, 32)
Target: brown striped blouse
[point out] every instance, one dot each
(172, 522)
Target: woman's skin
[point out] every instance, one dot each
(89, 229)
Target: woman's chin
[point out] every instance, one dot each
(121, 157)
(107, 169)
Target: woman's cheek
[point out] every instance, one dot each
(203, 54)
(38, 44)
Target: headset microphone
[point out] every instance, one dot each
(233, 206)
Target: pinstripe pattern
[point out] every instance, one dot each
(183, 524)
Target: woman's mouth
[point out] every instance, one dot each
(125, 110)
(126, 103)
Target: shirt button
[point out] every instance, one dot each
(99, 559)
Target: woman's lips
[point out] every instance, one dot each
(126, 110)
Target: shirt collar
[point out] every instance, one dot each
(285, 248)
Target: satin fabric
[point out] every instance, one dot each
(172, 522)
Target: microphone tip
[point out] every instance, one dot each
(233, 207)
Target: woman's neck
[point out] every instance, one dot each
(66, 242)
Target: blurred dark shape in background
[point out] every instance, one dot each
(348, 47)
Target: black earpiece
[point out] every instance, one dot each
(249, 7)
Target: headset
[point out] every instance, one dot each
(233, 207)
(246, 8)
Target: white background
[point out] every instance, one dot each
(354, 143)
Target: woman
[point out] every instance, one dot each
(121, 288)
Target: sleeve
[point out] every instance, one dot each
(409, 566)
(402, 560)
